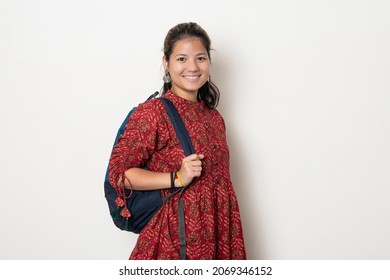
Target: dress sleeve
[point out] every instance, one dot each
(143, 135)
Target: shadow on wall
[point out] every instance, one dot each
(227, 81)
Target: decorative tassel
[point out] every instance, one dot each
(125, 213)
(119, 202)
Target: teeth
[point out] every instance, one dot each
(191, 77)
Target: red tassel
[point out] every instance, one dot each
(119, 202)
(125, 213)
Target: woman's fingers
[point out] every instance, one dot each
(191, 167)
(194, 157)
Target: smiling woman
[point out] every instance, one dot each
(187, 57)
(212, 218)
(188, 67)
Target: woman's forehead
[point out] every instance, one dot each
(189, 45)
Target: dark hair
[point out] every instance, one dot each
(209, 92)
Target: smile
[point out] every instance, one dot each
(192, 77)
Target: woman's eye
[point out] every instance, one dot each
(202, 58)
(181, 59)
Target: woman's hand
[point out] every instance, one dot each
(191, 167)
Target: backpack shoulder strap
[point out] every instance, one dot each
(178, 125)
(188, 148)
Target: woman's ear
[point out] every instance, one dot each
(165, 62)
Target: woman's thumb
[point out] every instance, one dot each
(200, 156)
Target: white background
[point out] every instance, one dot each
(305, 96)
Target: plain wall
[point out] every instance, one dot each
(305, 97)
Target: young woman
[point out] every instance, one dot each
(212, 220)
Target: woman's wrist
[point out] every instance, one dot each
(174, 179)
(177, 183)
(178, 180)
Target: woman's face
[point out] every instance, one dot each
(189, 67)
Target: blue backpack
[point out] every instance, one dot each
(144, 204)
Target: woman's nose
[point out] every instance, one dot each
(192, 65)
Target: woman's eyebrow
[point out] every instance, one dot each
(183, 54)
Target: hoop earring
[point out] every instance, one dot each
(167, 77)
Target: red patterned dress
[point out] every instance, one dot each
(212, 218)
